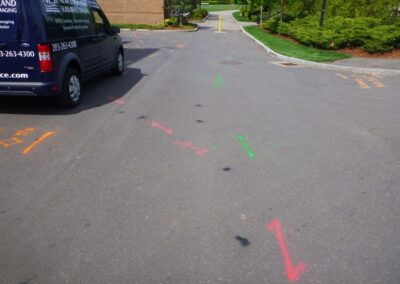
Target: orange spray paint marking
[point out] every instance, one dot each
(377, 83)
(342, 76)
(166, 130)
(377, 75)
(25, 132)
(37, 142)
(10, 142)
(118, 101)
(293, 272)
(361, 83)
(180, 46)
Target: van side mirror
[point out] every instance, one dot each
(115, 30)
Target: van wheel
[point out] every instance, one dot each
(70, 95)
(119, 64)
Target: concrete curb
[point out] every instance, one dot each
(323, 66)
(241, 23)
(205, 19)
(163, 31)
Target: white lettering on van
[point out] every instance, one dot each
(8, 6)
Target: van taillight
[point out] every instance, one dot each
(46, 65)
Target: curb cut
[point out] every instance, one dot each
(323, 66)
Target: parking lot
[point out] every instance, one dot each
(206, 162)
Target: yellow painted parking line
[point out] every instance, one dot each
(362, 83)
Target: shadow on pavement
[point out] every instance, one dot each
(99, 91)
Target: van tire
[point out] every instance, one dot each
(70, 95)
(119, 64)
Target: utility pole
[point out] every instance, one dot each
(262, 3)
(321, 21)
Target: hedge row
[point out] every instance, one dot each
(370, 34)
(199, 14)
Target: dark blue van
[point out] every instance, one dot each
(48, 47)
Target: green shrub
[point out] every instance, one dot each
(367, 33)
(200, 14)
(272, 26)
(172, 22)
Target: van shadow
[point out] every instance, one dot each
(99, 91)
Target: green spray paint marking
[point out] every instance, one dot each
(218, 82)
(243, 141)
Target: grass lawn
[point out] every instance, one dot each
(292, 49)
(215, 8)
(240, 18)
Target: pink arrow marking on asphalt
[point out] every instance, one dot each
(118, 101)
(166, 130)
(293, 273)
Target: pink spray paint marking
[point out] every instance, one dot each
(293, 273)
(166, 130)
(118, 101)
(189, 145)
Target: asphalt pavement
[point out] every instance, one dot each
(206, 162)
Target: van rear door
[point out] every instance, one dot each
(18, 45)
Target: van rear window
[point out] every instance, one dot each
(9, 16)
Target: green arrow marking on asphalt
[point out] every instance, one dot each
(245, 145)
(218, 82)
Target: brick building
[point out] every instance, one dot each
(134, 11)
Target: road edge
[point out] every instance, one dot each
(324, 66)
(163, 31)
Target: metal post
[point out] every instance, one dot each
(220, 24)
(321, 21)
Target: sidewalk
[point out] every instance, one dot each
(229, 24)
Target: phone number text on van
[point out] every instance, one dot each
(60, 46)
(13, 53)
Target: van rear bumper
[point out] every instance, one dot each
(27, 89)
